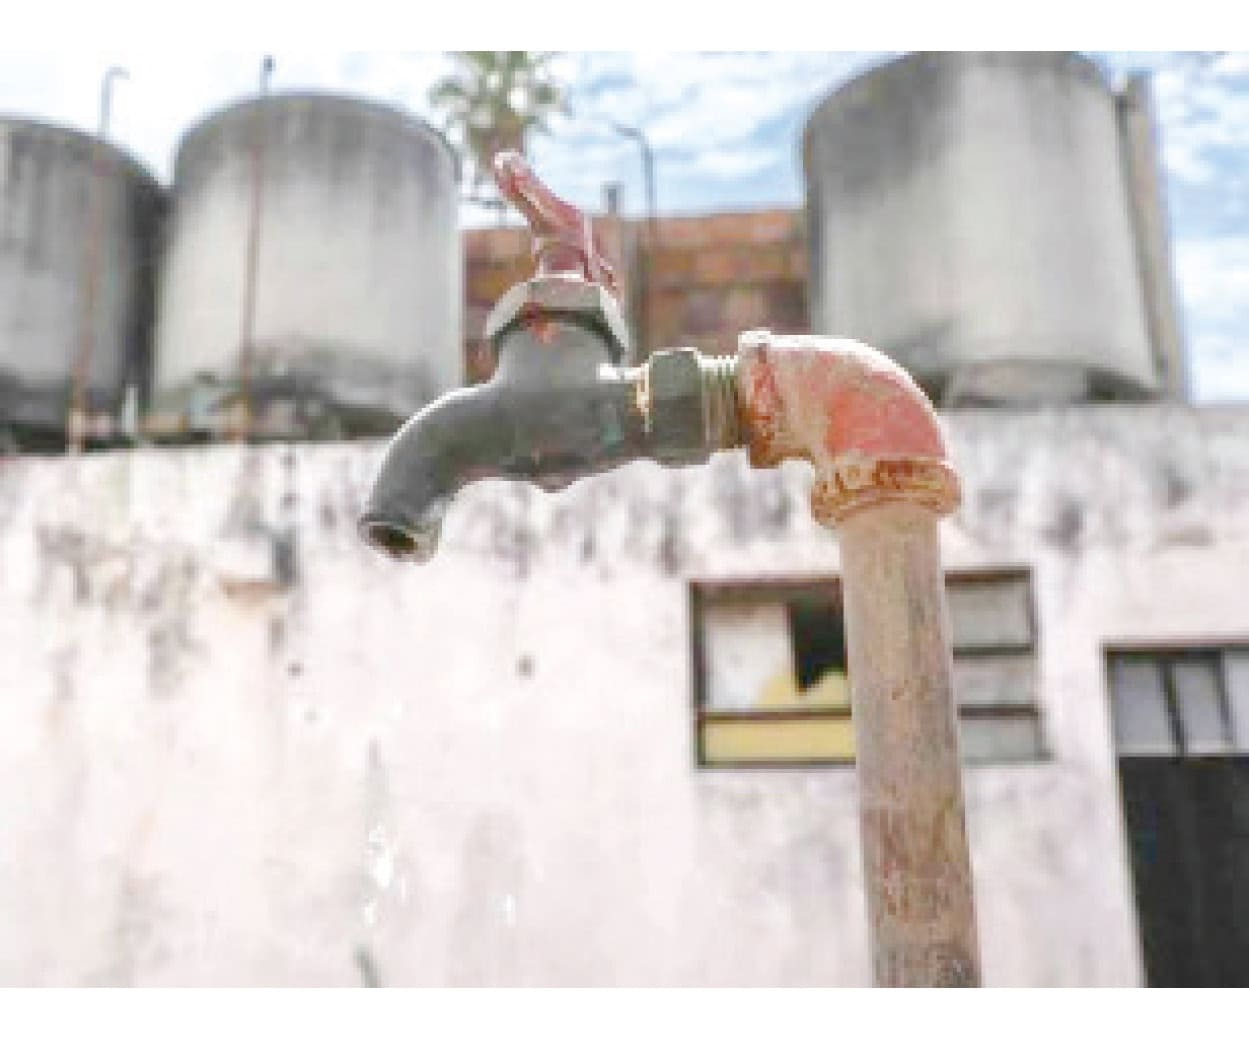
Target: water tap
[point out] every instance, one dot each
(561, 404)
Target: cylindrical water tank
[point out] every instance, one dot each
(969, 214)
(79, 221)
(351, 207)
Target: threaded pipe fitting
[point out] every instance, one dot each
(721, 417)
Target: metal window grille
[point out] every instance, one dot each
(1180, 701)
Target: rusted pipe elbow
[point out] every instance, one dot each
(854, 414)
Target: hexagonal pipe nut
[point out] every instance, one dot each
(584, 301)
(678, 416)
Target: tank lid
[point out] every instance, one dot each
(84, 138)
(1082, 65)
(325, 99)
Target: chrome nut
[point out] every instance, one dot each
(677, 413)
(584, 302)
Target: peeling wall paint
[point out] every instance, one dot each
(238, 747)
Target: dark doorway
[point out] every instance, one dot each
(1188, 826)
(1185, 785)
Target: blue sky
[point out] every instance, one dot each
(725, 128)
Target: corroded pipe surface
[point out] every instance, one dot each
(854, 414)
(882, 480)
(915, 855)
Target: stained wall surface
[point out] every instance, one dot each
(237, 747)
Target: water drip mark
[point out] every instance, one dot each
(367, 968)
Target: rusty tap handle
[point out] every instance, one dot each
(563, 237)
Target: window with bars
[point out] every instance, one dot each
(772, 684)
(1181, 702)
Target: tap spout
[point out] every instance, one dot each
(556, 410)
(434, 454)
(546, 437)
(560, 405)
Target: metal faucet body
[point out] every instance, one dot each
(558, 407)
(560, 404)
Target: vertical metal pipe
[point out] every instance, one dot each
(647, 253)
(652, 244)
(1145, 183)
(883, 480)
(916, 864)
(242, 429)
(76, 418)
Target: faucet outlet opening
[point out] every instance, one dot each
(397, 542)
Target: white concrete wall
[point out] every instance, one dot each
(482, 771)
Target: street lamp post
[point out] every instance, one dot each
(79, 404)
(652, 237)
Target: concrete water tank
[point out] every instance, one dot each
(973, 216)
(357, 295)
(78, 226)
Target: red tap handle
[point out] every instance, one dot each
(563, 237)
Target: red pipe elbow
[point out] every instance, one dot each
(863, 423)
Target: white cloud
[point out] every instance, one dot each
(1213, 275)
(1202, 110)
(699, 101)
(1231, 64)
(1220, 367)
(167, 91)
(735, 163)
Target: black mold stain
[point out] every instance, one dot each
(327, 514)
(169, 596)
(163, 646)
(733, 501)
(64, 544)
(285, 548)
(639, 516)
(1175, 487)
(277, 634)
(1190, 534)
(672, 545)
(513, 537)
(995, 500)
(367, 967)
(777, 507)
(1066, 524)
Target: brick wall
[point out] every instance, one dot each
(708, 278)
